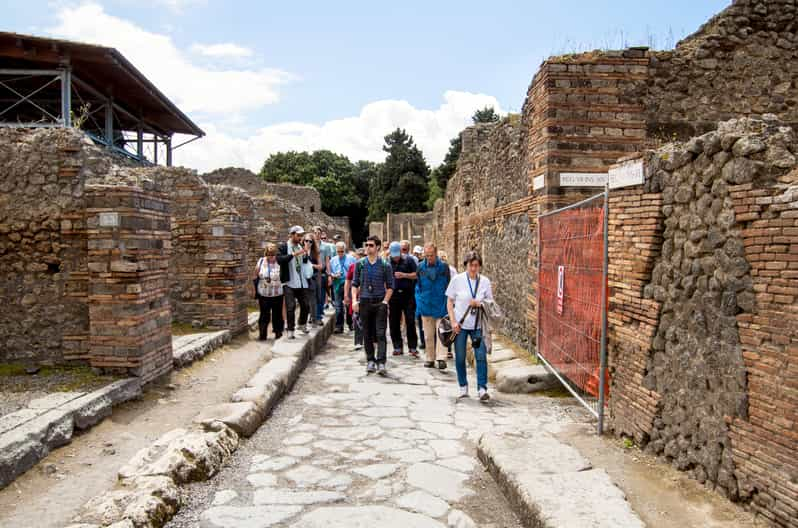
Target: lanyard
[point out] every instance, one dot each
(473, 290)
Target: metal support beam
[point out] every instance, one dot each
(109, 121)
(155, 149)
(140, 142)
(168, 143)
(66, 97)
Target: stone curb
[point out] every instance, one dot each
(549, 484)
(25, 444)
(206, 343)
(147, 493)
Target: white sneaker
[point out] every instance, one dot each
(308, 327)
(290, 334)
(358, 347)
(464, 391)
(483, 395)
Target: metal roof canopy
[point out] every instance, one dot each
(50, 82)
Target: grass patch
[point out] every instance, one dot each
(51, 378)
(11, 369)
(558, 392)
(253, 309)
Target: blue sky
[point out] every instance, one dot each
(340, 74)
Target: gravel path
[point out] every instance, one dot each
(346, 450)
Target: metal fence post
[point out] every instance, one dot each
(603, 356)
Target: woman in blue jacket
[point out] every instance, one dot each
(433, 277)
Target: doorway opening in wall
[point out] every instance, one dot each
(572, 299)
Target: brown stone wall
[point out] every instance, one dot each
(415, 227)
(129, 242)
(700, 356)
(742, 62)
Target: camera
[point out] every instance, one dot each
(305, 258)
(476, 339)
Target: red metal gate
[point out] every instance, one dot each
(572, 306)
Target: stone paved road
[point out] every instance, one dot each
(347, 450)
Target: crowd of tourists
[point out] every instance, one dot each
(382, 290)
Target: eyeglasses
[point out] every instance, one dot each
(369, 244)
(308, 241)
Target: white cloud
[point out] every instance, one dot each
(358, 137)
(193, 88)
(179, 5)
(225, 49)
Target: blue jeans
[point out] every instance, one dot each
(480, 355)
(321, 295)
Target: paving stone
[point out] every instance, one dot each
(440, 481)
(297, 451)
(459, 519)
(352, 433)
(224, 497)
(307, 475)
(54, 400)
(442, 430)
(377, 471)
(262, 480)
(411, 434)
(298, 439)
(339, 482)
(384, 412)
(280, 496)
(412, 455)
(525, 379)
(333, 446)
(396, 423)
(499, 356)
(267, 463)
(364, 517)
(459, 463)
(446, 448)
(246, 516)
(423, 502)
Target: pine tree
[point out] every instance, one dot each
(401, 182)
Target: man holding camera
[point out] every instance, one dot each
(372, 287)
(296, 273)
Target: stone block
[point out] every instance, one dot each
(242, 417)
(525, 379)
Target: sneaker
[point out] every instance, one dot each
(397, 352)
(291, 334)
(371, 367)
(464, 391)
(358, 347)
(382, 370)
(308, 328)
(413, 354)
(483, 395)
(278, 335)
(429, 364)
(441, 364)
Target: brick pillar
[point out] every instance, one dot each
(129, 242)
(226, 260)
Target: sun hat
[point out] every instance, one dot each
(296, 229)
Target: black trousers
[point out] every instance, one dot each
(271, 308)
(306, 297)
(374, 318)
(403, 302)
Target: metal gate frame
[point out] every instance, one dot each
(599, 413)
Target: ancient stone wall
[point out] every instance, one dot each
(742, 62)
(700, 355)
(484, 210)
(415, 227)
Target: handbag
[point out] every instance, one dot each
(445, 333)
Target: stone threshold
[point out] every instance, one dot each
(553, 485)
(148, 487)
(186, 349)
(28, 435)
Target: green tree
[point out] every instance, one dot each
(340, 182)
(445, 170)
(485, 115)
(401, 182)
(435, 191)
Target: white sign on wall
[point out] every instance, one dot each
(626, 174)
(583, 179)
(538, 182)
(109, 219)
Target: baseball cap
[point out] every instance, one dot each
(418, 249)
(395, 249)
(296, 229)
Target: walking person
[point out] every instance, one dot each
(317, 291)
(466, 293)
(372, 288)
(403, 301)
(433, 280)
(339, 266)
(270, 293)
(296, 274)
(405, 247)
(348, 300)
(326, 253)
(452, 272)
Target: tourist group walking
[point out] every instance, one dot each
(380, 291)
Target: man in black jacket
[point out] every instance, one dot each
(290, 257)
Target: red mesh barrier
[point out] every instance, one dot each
(570, 285)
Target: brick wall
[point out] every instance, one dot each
(129, 242)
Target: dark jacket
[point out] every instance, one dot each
(284, 259)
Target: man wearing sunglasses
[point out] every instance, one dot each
(372, 287)
(296, 273)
